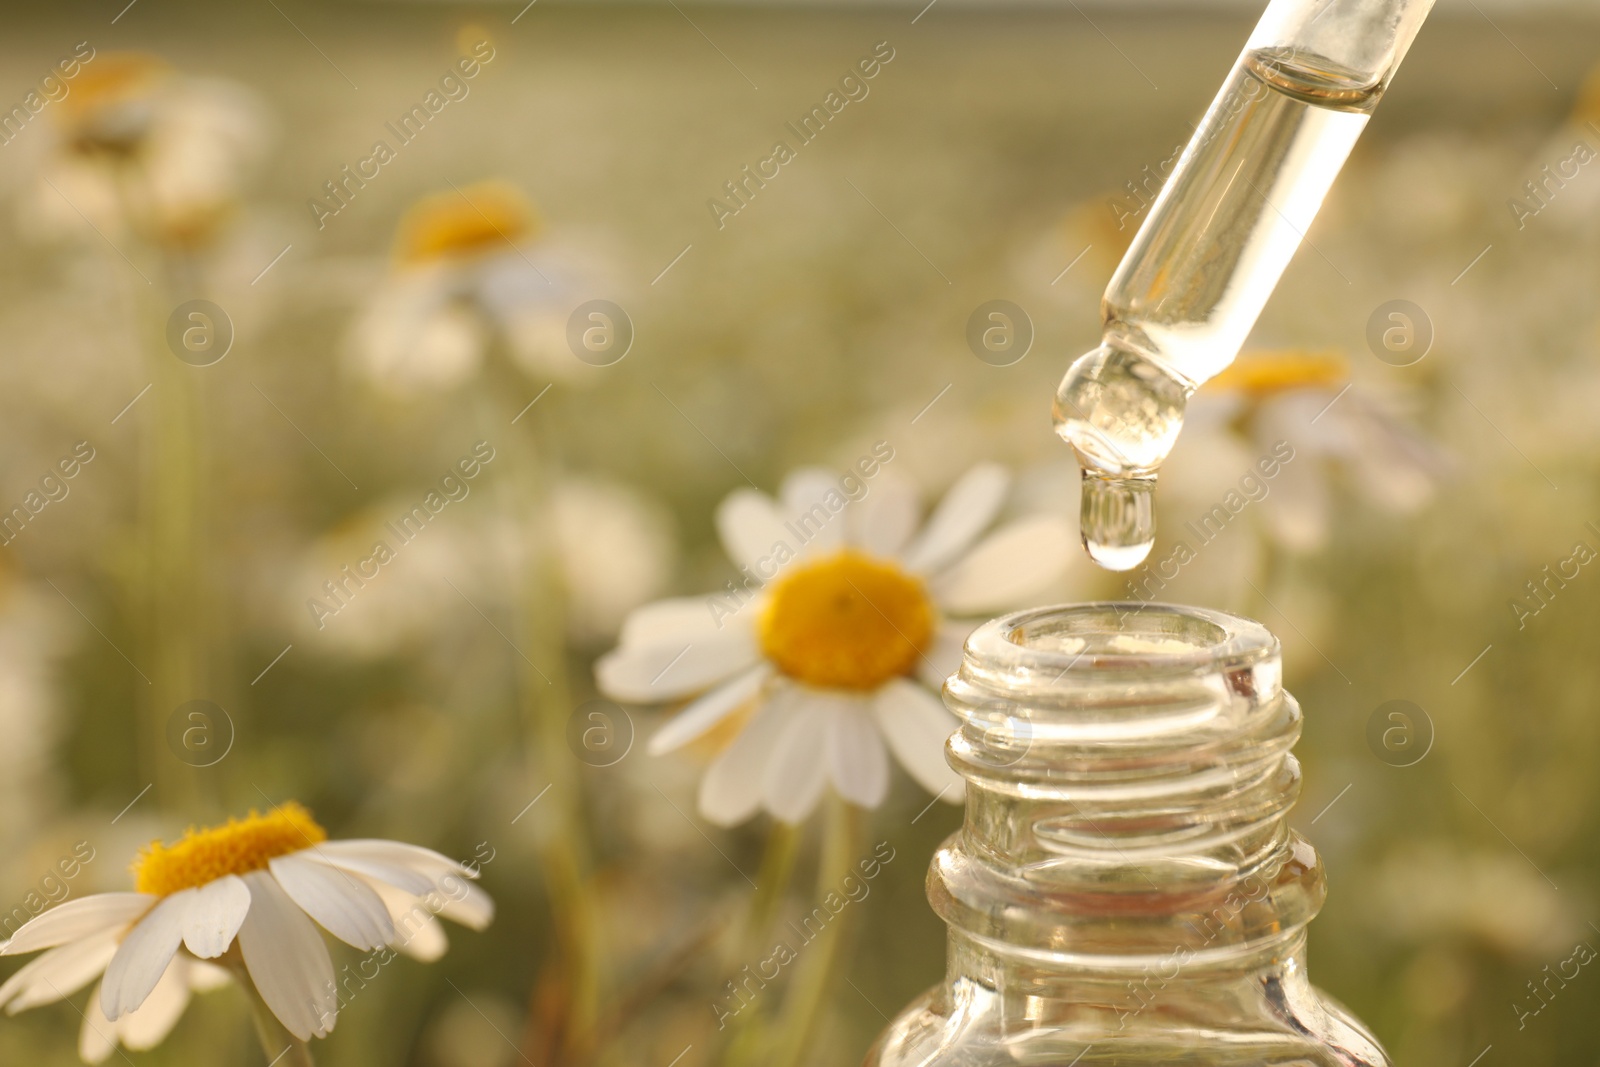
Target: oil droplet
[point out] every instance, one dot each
(1118, 520)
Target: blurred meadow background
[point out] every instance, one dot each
(421, 324)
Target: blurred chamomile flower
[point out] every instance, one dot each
(140, 147)
(33, 641)
(614, 547)
(393, 578)
(467, 275)
(1302, 404)
(245, 895)
(826, 656)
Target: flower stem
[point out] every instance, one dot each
(545, 702)
(747, 1032)
(777, 864)
(818, 968)
(171, 588)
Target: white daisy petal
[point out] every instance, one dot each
(398, 875)
(883, 521)
(942, 658)
(916, 725)
(417, 933)
(798, 771)
(97, 1038)
(466, 904)
(856, 757)
(287, 960)
(58, 973)
(144, 955)
(969, 506)
(811, 509)
(343, 904)
(1010, 565)
(153, 1021)
(730, 791)
(678, 668)
(705, 713)
(1299, 509)
(424, 861)
(749, 523)
(78, 919)
(213, 921)
(682, 619)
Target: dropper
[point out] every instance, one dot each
(1215, 243)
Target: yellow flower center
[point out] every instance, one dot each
(847, 622)
(1261, 374)
(236, 847)
(96, 110)
(466, 223)
(1587, 107)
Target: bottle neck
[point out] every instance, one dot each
(1128, 777)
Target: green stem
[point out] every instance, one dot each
(746, 1028)
(545, 700)
(171, 585)
(777, 865)
(818, 968)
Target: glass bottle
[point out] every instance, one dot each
(1125, 888)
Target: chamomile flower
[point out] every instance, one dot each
(826, 656)
(140, 146)
(245, 895)
(463, 279)
(1305, 400)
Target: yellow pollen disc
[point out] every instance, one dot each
(236, 847)
(108, 80)
(1263, 373)
(1587, 107)
(847, 622)
(486, 216)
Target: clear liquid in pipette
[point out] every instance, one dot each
(1196, 277)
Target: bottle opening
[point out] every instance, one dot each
(1081, 681)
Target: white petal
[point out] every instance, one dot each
(942, 658)
(153, 1021)
(705, 713)
(1298, 510)
(97, 1038)
(730, 792)
(798, 772)
(424, 861)
(969, 506)
(341, 902)
(810, 517)
(916, 725)
(214, 920)
(856, 756)
(1011, 564)
(884, 520)
(78, 919)
(399, 875)
(287, 961)
(681, 619)
(144, 955)
(58, 973)
(417, 933)
(750, 525)
(414, 337)
(655, 673)
(466, 904)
